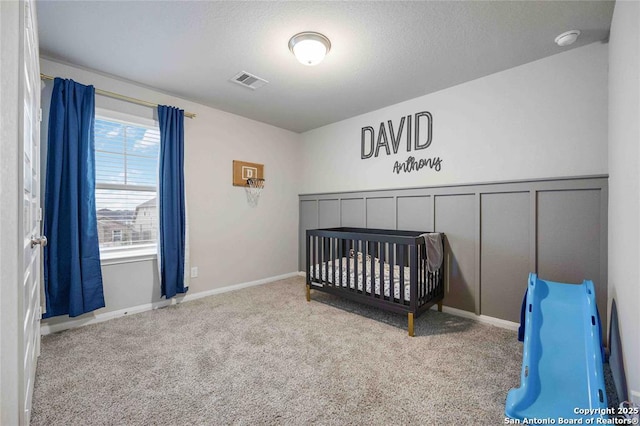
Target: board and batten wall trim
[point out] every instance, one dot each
(497, 232)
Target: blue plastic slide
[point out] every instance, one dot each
(562, 374)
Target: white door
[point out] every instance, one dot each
(31, 227)
(19, 210)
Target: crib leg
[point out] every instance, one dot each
(411, 324)
(308, 293)
(439, 306)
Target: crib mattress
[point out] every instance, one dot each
(320, 271)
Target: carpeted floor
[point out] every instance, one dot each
(263, 355)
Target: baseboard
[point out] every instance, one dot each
(106, 316)
(485, 319)
(202, 294)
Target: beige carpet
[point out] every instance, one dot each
(263, 355)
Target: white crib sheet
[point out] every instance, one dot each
(320, 271)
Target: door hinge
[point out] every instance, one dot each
(27, 16)
(40, 115)
(40, 213)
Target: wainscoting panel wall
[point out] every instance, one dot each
(352, 212)
(570, 237)
(496, 233)
(328, 213)
(504, 252)
(381, 213)
(455, 216)
(415, 213)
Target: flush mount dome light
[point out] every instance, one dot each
(565, 39)
(309, 47)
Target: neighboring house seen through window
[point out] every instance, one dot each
(126, 184)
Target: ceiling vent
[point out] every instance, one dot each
(249, 80)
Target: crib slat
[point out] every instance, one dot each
(352, 248)
(322, 264)
(312, 252)
(362, 248)
(372, 269)
(423, 276)
(356, 248)
(425, 272)
(323, 260)
(381, 250)
(352, 274)
(315, 258)
(427, 276)
(433, 283)
(329, 261)
(375, 254)
(435, 278)
(364, 266)
(308, 259)
(418, 283)
(340, 256)
(348, 255)
(392, 281)
(320, 259)
(372, 278)
(401, 279)
(383, 260)
(425, 291)
(327, 253)
(419, 271)
(413, 277)
(335, 259)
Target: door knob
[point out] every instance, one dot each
(39, 240)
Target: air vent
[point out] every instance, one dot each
(249, 80)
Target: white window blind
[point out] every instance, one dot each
(126, 184)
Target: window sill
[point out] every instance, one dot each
(128, 256)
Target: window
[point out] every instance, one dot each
(126, 182)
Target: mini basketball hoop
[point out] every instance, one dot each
(254, 189)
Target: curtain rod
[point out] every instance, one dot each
(123, 97)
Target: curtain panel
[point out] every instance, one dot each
(172, 209)
(72, 274)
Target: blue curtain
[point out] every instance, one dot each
(72, 275)
(171, 250)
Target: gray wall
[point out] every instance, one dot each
(624, 183)
(496, 233)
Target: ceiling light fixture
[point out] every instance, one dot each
(309, 47)
(565, 39)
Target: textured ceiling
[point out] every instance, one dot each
(382, 52)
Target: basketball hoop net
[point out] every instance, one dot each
(254, 189)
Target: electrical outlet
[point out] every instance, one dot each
(194, 272)
(635, 398)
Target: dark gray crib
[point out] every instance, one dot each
(374, 266)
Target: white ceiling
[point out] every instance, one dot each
(382, 52)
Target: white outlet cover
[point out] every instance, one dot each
(194, 272)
